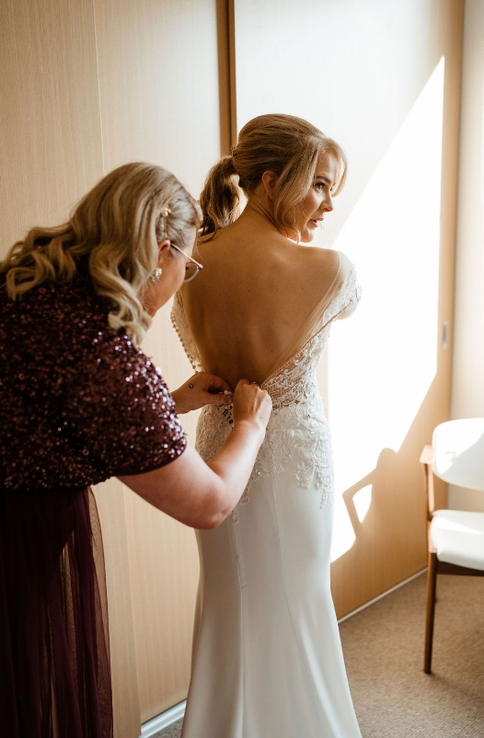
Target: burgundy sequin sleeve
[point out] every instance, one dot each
(79, 402)
(120, 410)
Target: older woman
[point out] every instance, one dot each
(268, 654)
(79, 402)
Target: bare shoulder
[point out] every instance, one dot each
(330, 261)
(328, 258)
(321, 261)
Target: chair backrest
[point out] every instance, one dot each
(459, 452)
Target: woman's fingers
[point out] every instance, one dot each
(214, 384)
(251, 403)
(206, 389)
(218, 391)
(218, 398)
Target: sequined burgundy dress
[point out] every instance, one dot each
(78, 404)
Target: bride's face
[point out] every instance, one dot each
(318, 201)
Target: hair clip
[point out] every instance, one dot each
(164, 215)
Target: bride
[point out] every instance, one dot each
(267, 659)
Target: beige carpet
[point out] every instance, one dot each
(383, 647)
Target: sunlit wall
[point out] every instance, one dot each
(393, 234)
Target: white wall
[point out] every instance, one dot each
(468, 357)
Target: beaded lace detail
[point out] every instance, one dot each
(180, 324)
(297, 429)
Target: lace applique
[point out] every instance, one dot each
(297, 429)
(299, 432)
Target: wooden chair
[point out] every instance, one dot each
(455, 537)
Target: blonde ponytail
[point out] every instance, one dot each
(220, 198)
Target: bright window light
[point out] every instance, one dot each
(362, 501)
(383, 360)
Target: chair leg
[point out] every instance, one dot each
(429, 627)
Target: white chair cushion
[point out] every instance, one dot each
(459, 452)
(458, 537)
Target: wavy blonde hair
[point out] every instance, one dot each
(284, 144)
(117, 225)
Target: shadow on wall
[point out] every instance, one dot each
(390, 538)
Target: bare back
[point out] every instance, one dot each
(254, 297)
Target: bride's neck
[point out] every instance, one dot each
(260, 213)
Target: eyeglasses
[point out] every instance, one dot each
(192, 267)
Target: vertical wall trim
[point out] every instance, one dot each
(226, 74)
(232, 71)
(482, 139)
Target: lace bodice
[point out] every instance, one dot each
(297, 428)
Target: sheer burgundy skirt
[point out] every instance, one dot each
(54, 648)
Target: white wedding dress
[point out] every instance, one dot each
(267, 659)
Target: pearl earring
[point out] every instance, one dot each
(156, 274)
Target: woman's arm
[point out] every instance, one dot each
(201, 389)
(202, 495)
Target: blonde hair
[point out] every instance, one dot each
(117, 225)
(286, 145)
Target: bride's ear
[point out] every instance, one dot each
(269, 180)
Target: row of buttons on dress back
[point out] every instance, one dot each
(243, 501)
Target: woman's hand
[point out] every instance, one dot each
(220, 483)
(201, 389)
(251, 403)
